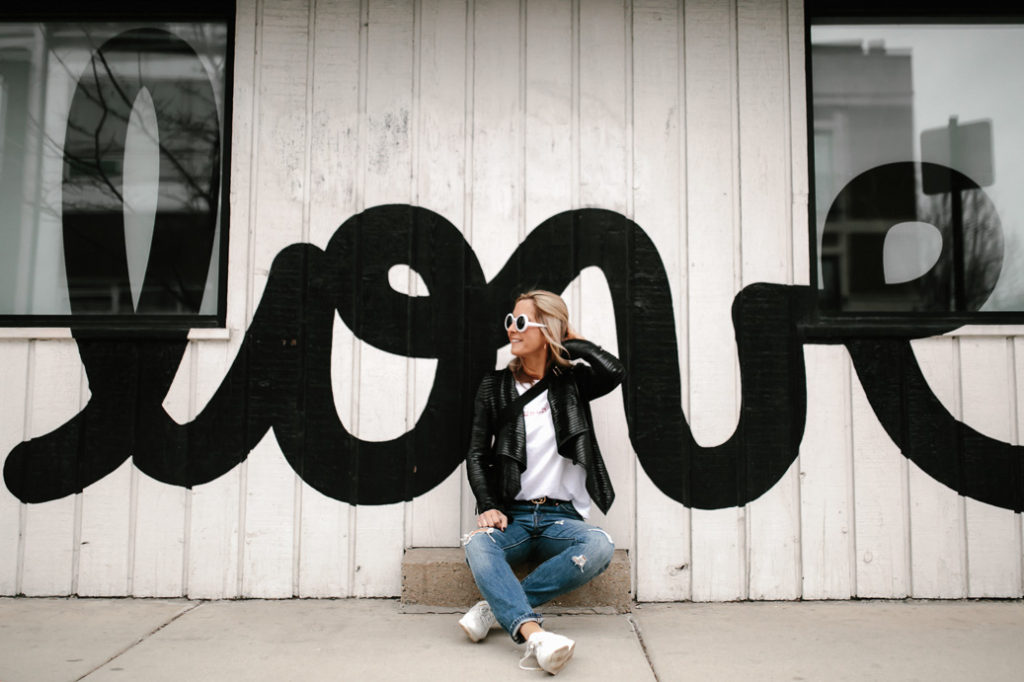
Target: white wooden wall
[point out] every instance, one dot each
(688, 117)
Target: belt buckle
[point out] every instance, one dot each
(539, 500)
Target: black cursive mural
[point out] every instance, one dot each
(281, 377)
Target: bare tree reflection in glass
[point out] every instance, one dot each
(981, 260)
(187, 137)
(102, 131)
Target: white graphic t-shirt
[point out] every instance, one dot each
(548, 474)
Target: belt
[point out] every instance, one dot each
(547, 501)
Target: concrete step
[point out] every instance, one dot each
(440, 577)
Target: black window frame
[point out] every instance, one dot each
(132, 325)
(832, 325)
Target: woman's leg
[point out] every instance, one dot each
(490, 553)
(575, 552)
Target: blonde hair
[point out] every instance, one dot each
(552, 312)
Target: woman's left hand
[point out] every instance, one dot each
(492, 518)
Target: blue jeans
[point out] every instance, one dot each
(572, 551)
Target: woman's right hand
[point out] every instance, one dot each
(492, 518)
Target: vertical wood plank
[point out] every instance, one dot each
(103, 565)
(663, 558)
(602, 67)
(281, 178)
(719, 537)
(214, 521)
(325, 546)
(766, 236)
(993, 534)
(764, 165)
(380, 529)
(268, 540)
(440, 173)
(880, 494)
(773, 540)
(548, 132)
(160, 512)
(281, 130)
(159, 555)
(389, 87)
(842, 583)
(339, 523)
(213, 539)
(826, 478)
(383, 378)
(938, 560)
(14, 372)
(604, 134)
(800, 181)
(242, 197)
(48, 548)
(712, 216)
(49, 528)
(334, 136)
(160, 523)
(219, 507)
(378, 551)
(496, 192)
(441, 145)
(334, 196)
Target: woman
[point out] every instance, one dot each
(536, 471)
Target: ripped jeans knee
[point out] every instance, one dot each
(469, 536)
(482, 547)
(595, 551)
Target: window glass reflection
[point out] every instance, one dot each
(111, 140)
(944, 232)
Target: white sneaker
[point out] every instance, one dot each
(547, 651)
(478, 621)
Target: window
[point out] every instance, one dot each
(113, 148)
(915, 137)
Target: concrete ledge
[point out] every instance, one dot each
(440, 577)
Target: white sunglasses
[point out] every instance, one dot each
(521, 322)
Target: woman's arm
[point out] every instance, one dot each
(478, 459)
(603, 371)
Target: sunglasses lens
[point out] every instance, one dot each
(520, 322)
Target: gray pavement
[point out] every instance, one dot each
(373, 639)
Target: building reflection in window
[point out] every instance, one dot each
(931, 240)
(111, 142)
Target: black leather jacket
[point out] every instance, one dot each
(496, 459)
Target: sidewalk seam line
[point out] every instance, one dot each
(140, 640)
(643, 645)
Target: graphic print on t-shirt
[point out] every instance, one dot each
(547, 473)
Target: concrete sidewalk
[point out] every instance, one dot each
(371, 639)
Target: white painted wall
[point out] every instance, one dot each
(688, 117)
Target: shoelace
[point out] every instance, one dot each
(531, 648)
